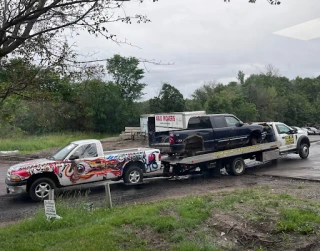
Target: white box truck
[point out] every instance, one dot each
(157, 126)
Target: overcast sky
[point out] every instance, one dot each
(209, 40)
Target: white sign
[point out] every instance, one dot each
(165, 122)
(50, 209)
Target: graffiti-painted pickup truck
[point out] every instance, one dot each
(80, 162)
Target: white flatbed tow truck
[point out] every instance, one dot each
(281, 140)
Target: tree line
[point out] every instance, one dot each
(37, 100)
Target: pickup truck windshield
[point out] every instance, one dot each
(62, 153)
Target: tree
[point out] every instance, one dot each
(241, 77)
(155, 105)
(100, 107)
(169, 99)
(202, 94)
(15, 76)
(127, 75)
(229, 99)
(37, 27)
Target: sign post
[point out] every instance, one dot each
(50, 207)
(108, 195)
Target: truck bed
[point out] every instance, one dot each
(221, 154)
(163, 147)
(125, 151)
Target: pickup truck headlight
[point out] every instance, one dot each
(15, 178)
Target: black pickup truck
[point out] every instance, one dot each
(214, 132)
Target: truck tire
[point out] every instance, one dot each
(133, 175)
(237, 167)
(39, 189)
(304, 151)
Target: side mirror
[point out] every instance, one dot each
(239, 124)
(73, 157)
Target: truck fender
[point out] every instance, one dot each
(138, 163)
(49, 175)
(303, 139)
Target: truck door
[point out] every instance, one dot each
(85, 166)
(287, 139)
(238, 135)
(221, 132)
(203, 127)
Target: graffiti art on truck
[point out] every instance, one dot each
(150, 162)
(124, 157)
(79, 170)
(73, 170)
(85, 170)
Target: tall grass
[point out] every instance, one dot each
(27, 144)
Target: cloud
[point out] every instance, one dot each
(212, 40)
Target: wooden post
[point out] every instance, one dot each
(108, 195)
(51, 194)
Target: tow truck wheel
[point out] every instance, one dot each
(237, 166)
(304, 151)
(133, 175)
(39, 190)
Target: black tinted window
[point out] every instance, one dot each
(219, 122)
(199, 123)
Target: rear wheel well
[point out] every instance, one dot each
(193, 143)
(134, 163)
(49, 175)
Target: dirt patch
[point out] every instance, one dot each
(170, 212)
(237, 231)
(234, 229)
(154, 240)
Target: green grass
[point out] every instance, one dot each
(28, 144)
(103, 229)
(178, 224)
(304, 221)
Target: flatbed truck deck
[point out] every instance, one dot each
(232, 160)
